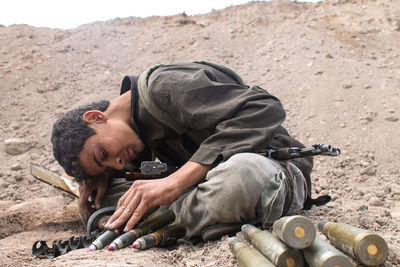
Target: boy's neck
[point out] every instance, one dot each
(120, 108)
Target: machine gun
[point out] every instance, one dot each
(297, 152)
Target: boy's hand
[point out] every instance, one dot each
(144, 194)
(98, 184)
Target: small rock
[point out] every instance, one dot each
(57, 86)
(18, 177)
(34, 157)
(16, 146)
(342, 125)
(329, 56)
(392, 118)
(347, 86)
(362, 208)
(374, 201)
(16, 167)
(15, 126)
(3, 184)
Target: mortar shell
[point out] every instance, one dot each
(156, 221)
(248, 256)
(366, 247)
(295, 231)
(170, 234)
(105, 239)
(125, 239)
(271, 247)
(322, 254)
(147, 241)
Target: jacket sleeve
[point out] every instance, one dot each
(237, 118)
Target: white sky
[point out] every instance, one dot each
(72, 13)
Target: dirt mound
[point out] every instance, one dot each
(335, 65)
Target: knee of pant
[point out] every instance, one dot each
(232, 200)
(247, 165)
(234, 188)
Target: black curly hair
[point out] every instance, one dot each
(69, 135)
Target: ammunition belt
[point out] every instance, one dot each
(61, 247)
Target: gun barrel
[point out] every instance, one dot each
(366, 247)
(295, 231)
(271, 247)
(322, 254)
(248, 256)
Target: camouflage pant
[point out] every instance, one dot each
(247, 187)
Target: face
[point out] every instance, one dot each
(114, 144)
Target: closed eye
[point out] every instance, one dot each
(103, 155)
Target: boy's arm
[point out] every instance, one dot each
(98, 184)
(149, 193)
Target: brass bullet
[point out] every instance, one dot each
(322, 254)
(272, 247)
(366, 247)
(295, 231)
(248, 256)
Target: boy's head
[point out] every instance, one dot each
(91, 139)
(69, 135)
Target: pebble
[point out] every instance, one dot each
(18, 177)
(392, 119)
(347, 85)
(374, 201)
(3, 184)
(15, 126)
(16, 167)
(34, 157)
(16, 146)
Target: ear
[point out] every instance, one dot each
(94, 116)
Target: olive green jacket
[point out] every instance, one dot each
(218, 116)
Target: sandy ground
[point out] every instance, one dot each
(335, 66)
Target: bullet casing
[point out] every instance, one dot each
(168, 235)
(105, 239)
(295, 231)
(156, 221)
(274, 249)
(152, 223)
(163, 237)
(366, 247)
(322, 254)
(248, 256)
(147, 241)
(125, 239)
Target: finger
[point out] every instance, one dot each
(136, 216)
(83, 199)
(122, 204)
(126, 215)
(101, 191)
(121, 209)
(125, 196)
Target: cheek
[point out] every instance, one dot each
(114, 144)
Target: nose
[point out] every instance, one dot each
(119, 163)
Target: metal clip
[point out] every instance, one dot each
(152, 167)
